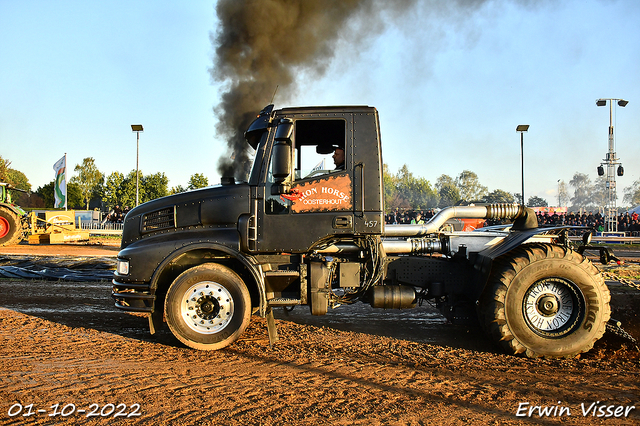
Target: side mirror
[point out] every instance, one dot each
(284, 130)
(281, 155)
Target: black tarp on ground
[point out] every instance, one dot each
(67, 268)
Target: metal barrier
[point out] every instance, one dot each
(609, 239)
(97, 228)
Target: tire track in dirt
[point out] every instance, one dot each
(311, 376)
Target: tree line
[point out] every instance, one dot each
(404, 190)
(89, 188)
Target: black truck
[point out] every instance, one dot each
(299, 232)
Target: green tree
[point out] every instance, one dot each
(74, 195)
(89, 179)
(4, 169)
(600, 193)
(406, 191)
(448, 192)
(46, 193)
(75, 199)
(113, 190)
(536, 201)
(632, 194)
(15, 177)
(390, 189)
(177, 190)
(499, 196)
(128, 190)
(154, 186)
(18, 179)
(423, 196)
(121, 190)
(582, 191)
(517, 197)
(196, 181)
(469, 186)
(417, 191)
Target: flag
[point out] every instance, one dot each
(319, 166)
(60, 188)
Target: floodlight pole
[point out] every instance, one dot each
(137, 168)
(611, 161)
(137, 128)
(522, 128)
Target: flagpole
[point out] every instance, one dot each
(65, 182)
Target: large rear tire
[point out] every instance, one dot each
(207, 307)
(544, 300)
(10, 227)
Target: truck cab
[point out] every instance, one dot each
(301, 199)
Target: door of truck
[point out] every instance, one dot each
(318, 202)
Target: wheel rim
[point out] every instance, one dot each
(4, 227)
(553, 307)
(207, 307)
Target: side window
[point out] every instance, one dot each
(319, 147)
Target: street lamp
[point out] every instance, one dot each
(137, 128)
(611, 161)
(522, 128)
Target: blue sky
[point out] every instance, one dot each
(451, 85)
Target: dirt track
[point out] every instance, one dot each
(64, 343)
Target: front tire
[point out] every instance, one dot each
(10, 227)
(207, 307)
(545, 301)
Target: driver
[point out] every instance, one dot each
(338, 158)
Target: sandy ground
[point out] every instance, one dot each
(67, 356)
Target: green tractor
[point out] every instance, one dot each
(11, 217)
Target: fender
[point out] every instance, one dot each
(15, 209)
(484, 260)
(155, 317)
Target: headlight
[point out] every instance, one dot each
(123, 267)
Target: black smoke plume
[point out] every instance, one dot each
(264, 44)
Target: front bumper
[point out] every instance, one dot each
(133, 297)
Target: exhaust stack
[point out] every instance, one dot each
(525, 219)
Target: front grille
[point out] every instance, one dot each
(158, 220)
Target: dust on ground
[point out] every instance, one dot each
(64, 343)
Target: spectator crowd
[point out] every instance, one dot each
(117, 214)
(628, 223)
(401, 217)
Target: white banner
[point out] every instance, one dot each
(60, 187)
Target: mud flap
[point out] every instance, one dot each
(271, 328)
(155, 321)
(319, 282)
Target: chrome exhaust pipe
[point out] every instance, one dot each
(492, 211)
